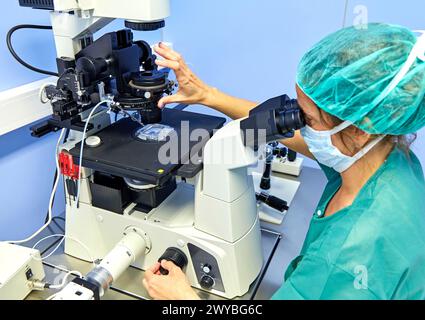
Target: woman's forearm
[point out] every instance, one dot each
(232, 107)
(237, 108)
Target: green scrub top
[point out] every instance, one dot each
(373, 249)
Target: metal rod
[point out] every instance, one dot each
(266, 266)
(181, 106)
(344, 21)
(127, 293)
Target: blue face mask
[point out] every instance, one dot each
(320, 145)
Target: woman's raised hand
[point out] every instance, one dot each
(192, 90)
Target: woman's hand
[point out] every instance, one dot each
(173, 286)
(191, 89)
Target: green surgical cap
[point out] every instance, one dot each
(349, 74)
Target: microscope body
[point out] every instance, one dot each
(215, 228)
(205, 212)
(122, 194)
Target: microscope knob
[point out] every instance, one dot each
(292, 155)
(174, 255)
(207, 282)
(206, 268)
(265, 183)
(93, 141)
(145, 26)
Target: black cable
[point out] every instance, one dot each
(57, 224)
(15, 55)
(266, 266)
(51, 246)
(59, 218)
(181, 107)
(54, 180)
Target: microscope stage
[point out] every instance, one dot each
(122, 154)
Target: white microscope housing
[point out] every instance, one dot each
(209, 221)
(213, 223)
(75, 21)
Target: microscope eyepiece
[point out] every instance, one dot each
(290, 118)
(278, 118)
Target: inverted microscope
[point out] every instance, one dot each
(142, 188)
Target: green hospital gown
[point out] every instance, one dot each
(373, 249)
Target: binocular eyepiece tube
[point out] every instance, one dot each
(277, 118)
(290, 119)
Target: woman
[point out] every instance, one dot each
(362, 93)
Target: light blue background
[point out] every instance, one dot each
(247, 48)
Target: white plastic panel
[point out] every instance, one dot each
(140, 10)
(21, 106)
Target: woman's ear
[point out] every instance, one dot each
(359, 137)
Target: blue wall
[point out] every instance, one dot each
(248, 48)
(26, 163)
(251, 48)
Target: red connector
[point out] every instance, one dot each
(67, 166)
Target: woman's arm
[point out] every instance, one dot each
(236, 108)
(232, 107)
(193, 90)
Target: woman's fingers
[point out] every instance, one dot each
(179, 69)
(191, 88)
(176, 98)
(167, 53)
(145, 284)
(175, 54)
(148, 276)
(152, 270)
(173, 65)
(170, 266)
(151, 290)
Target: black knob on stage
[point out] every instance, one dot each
(276, 203)
(272, 201)
(265, 179)
(174, 255)
(206, 282)
(265, 183)
(292, 155)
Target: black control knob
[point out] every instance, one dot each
(271, 201)
(174, 255)
(207, 282)
(292, 155)
(265, 182)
